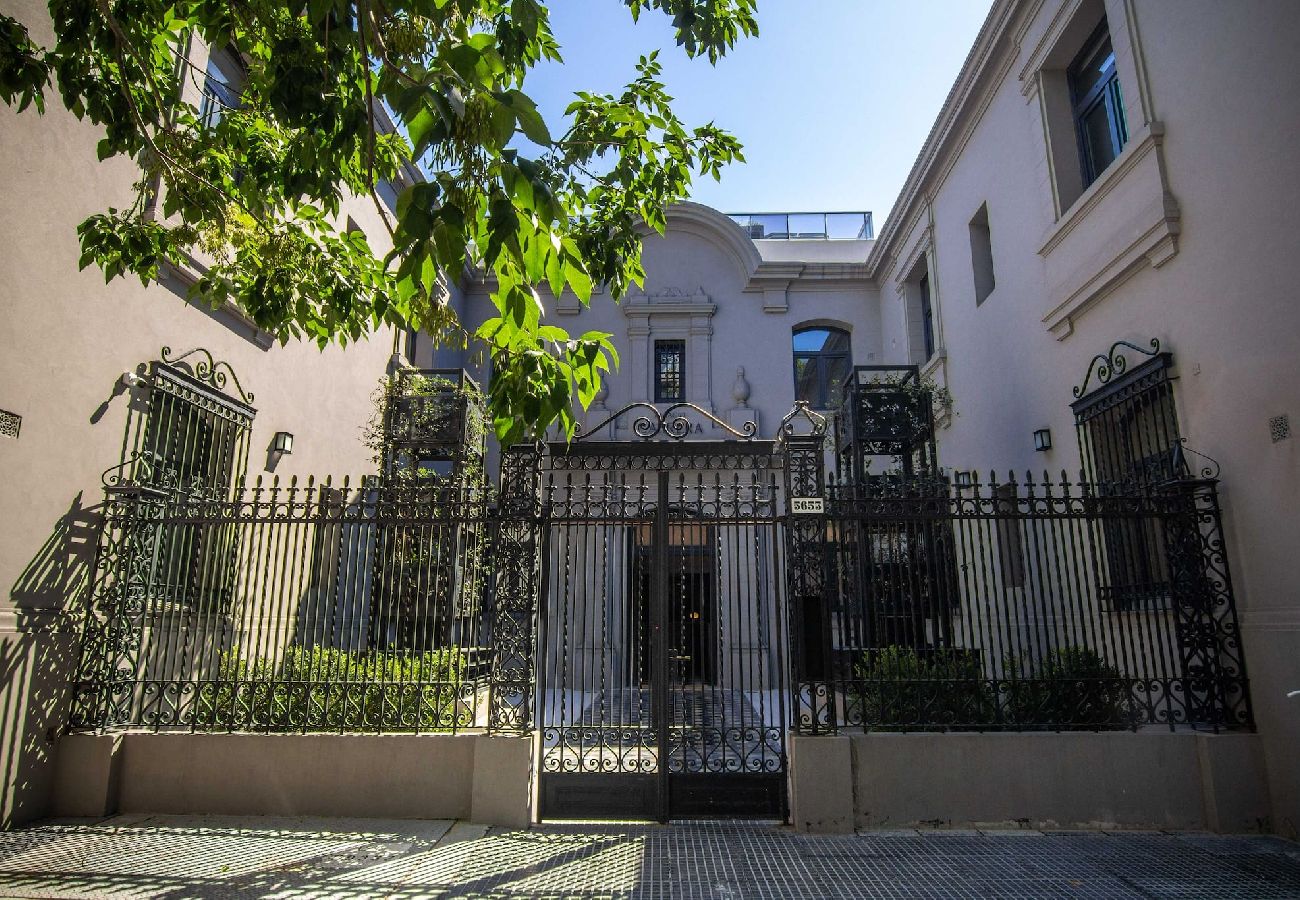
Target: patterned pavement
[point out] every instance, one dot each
(172, 858)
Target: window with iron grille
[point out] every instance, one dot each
(194, 447)
(670, 371)
(1129, 443)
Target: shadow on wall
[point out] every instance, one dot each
(38, 657)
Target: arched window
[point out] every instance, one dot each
(821, 363)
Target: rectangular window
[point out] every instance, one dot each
(195, 446)
(1098, 105)
(221, 86)
(927, 317)
(981, 255)
(1129, 443)
(670, 371)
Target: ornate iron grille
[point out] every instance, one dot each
(661, 687)
(933, 625)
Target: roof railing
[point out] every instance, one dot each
(806, 226)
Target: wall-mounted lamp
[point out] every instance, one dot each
(962, 479)
(282, 443)
(1043, 439)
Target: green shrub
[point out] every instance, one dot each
(1072, 687)
(903, 688)
(324, 689)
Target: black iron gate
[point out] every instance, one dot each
(661, 690)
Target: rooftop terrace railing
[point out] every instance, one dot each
(806, 226)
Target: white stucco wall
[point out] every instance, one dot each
(1185, 238)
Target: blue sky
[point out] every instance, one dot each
(832, 100)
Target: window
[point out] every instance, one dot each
(981, 255)
(821, 364)
(1129, 442)
(220, 87)
(195, 445)
(670, 371)
(927, 317)
(1098, 105)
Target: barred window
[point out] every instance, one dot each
(1129, 443)
(194, 448)
(670, 371)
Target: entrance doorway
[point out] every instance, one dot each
(690, 569)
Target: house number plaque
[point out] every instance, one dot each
(807, 506)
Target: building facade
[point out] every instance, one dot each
(1088, 266)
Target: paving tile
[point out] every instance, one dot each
(213, 857)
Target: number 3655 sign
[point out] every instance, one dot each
(807, 506)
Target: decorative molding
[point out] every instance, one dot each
(1150, 138)
(941, 137)
(1155, 227)
(37, 620)
(187, 275)
(919, 248)
(1046, 44)
(1271, 618)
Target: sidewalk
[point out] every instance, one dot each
(175, 857)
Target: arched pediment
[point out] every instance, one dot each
(706, 222)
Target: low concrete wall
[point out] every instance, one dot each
(426, 776)
(1166, 779)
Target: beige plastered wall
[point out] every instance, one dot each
(1153, 779)
(1189, 237)
(405, 776)
(65, 339)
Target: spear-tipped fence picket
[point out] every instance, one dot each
(289, 606)
(1024, 604)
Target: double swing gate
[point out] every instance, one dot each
(661, 688)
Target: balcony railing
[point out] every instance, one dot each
(810, 226)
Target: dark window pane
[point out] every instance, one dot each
(821, 362)
(806, 379)
(670, 363)
(1101, 150)
(837, 370)
(1092, 69)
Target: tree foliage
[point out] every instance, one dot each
(257, 188)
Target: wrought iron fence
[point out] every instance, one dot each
(1012, 605)
(290, 607)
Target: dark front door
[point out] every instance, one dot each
(661, 689)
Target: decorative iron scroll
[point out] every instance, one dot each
(1112, 363)
(802, 410)
(1210, 471)
(668, 422)
(208, 370)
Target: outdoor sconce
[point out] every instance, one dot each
(282, 444)
(1043, 439)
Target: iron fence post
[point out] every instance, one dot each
(514, 610)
